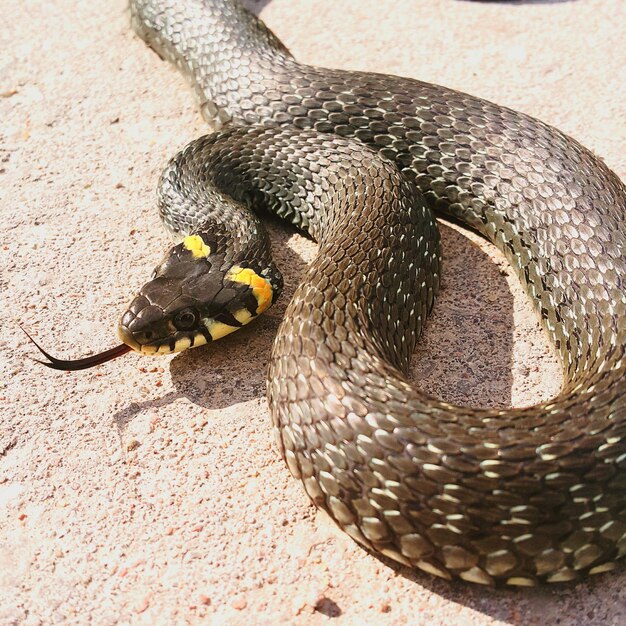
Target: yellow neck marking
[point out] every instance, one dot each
(196, 246)
(217, 330)
(243, 316)
(261, 288)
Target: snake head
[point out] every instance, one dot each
(196, 295)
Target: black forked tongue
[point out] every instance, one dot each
(74, 365)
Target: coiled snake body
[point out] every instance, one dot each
(515, 496)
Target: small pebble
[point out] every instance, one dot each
(143, 605)
(327, 607)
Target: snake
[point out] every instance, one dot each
(362, 162)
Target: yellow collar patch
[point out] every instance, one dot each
(197, 247)
(217, 330)
(261, 288)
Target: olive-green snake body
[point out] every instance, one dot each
(514, 496)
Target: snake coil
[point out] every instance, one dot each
(515, 496)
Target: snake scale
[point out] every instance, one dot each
(358, 160)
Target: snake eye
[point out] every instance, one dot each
(186, 319)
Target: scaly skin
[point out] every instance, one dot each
(513, 496)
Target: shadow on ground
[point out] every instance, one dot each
(204, 375)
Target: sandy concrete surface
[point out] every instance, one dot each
(150, 491)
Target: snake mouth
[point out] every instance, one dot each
(170, 345)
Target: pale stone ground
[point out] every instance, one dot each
(150, 491)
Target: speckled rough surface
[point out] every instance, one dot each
(150, 491)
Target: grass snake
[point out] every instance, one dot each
(359, 161)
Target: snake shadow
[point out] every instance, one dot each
(464, 356)
(256, 6)
(513, 2)
(598, 600)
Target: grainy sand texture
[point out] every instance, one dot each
(149, 491)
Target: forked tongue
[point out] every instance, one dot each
(73, 365)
